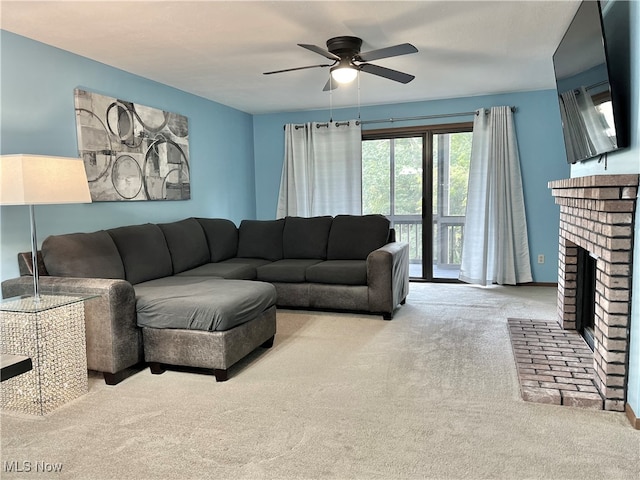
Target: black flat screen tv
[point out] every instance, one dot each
(591, 67)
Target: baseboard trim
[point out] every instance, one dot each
(635, 421)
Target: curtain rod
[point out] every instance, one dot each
(426, 117)
(326, 124)
(405, 119)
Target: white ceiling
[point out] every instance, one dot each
(219, 49)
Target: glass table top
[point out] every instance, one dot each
(31, 304)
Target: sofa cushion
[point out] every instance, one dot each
(222, 238)
(306, 237)
(201, 303)
(261, 239)
(187, 244)
(226, 269)
(354, 237)
(338, 272)
(251, 264)
(290, 270)
(85, 255)
(144, 252)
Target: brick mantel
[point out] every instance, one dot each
(597, 214)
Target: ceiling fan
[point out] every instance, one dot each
(347, 61)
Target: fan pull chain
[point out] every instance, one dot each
(358, 94)
(330, 99)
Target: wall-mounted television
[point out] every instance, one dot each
(591, 66)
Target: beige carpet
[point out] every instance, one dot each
(431, 394)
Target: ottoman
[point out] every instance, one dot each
(204, 323)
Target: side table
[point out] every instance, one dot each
(51, 331)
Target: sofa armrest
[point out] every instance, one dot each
(388, 277)
(114, 341)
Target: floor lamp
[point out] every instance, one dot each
(41, 180)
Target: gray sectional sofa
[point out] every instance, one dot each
(202, 292)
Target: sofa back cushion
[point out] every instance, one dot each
(306, 237)
(354, 237)
(84, 255)
(187, 244)
(261, 239)
(144, 252)
(222, 238)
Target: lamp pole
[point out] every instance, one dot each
(34, 253)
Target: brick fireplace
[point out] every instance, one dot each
(597, 215)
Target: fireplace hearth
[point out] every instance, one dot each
(597, 218)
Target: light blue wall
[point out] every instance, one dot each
(37, 83)
(542, 155)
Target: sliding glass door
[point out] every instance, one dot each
(451, 157)
(406, 173)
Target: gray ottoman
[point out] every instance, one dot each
(204, 323)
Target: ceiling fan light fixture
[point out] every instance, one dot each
(348, 61)
(344, 72)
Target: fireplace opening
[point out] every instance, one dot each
(586, 295)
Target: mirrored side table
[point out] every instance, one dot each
(50, 330)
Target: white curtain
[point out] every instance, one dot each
(495, 246)
(322, 170)
(584, 127)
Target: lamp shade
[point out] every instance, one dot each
(40, 180)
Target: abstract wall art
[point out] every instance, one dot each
(130, 151)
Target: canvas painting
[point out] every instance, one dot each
(130, 151)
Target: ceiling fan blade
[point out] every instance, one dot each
(320, 51)
(330, 85)
(396, 50)
(296, 68)
(386, 73)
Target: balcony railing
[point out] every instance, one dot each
(448, 232)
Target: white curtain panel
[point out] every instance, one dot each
(584, 127)
(495, 245)
(322, 170)
(295, 195)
